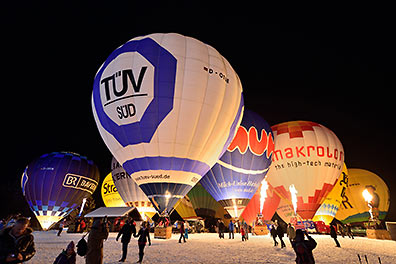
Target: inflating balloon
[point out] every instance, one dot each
(308, 159)
(328, 209)
(129, 191)
(167, 107)
(355, 207)
(234, 179)
(56, 183)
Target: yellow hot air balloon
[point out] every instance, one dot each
(332, 202)
(367, 197)
(110, 195)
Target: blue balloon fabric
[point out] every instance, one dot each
(56, 183)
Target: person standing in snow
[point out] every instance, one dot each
(220, 228)
(67, 256)
(280, 233)
(291, 232)
(17, 242)
(243, 234)
(99, 232)
(333, 234)
(144, 236)
(61, 225)
(274, 234)
(181, 228)
(231, 230)
(303, 248)
(349, 231)
(126, 232)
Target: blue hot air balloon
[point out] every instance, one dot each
(234, 179)
(167, 106)
(56, 183)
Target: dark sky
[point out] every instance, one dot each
(333, 64)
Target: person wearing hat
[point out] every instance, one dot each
(303, 248)
(67, 256)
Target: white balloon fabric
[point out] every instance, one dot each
(167, 106)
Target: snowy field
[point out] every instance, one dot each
(208, 248)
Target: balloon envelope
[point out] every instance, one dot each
(234, 179)
(56, 183)
(166, 106)
(353, 207)
(309, 158)
(328, 209)
(130, 192)
(110, 195)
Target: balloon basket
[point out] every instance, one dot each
(260, 230)
(378, 234)
(163, 232)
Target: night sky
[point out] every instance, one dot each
(334, 65)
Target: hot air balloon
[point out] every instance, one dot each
(130, 192)
(56, 183)
(356, 206)
(237, 175)
(266, 206)
(110, 195)
(307, 162)
(167, 106)
(328, 209)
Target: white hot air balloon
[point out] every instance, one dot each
(167, 106)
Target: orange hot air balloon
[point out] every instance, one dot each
(307, 161)
(270, 204)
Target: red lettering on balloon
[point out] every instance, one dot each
(257, 146)
(240, 140)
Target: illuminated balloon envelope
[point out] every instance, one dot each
(264, 204)
(56, 183)
(307, 161)
(234, 179)
(110, 195)
(167, 106)
(354, 207)
(328, 209)
(130, 192)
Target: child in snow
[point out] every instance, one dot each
(243, 233)
(67, 256)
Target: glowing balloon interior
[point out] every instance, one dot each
(167, 106)
(56, 183)
(367, 197)
(234, 179)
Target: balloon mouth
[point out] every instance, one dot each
(164, 203)
(234, 206)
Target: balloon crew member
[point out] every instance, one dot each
(280, 233)
(144, 235)
(220, 228)
(99, 232)
(126, 232)
(303, 248)
(67, 256)
(333, 234)
(17, 242)
(274, 234)
(291, 232)
(61, 225)
(181, 228)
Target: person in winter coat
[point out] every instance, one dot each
(126, 232)
(274, 234)
(291, 232)
(220, 228)
(67, 256)
(231, 230)
(303, 248)
(17, 242)
(181, 228)
(333, 234)
(243, 233)
(144, 236)
(280, 233)
(99, 232)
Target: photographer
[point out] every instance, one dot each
(99, 232)
(16, 242)
(303, 248)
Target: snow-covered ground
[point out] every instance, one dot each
(208, 248)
